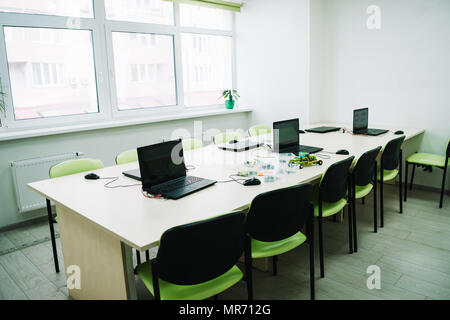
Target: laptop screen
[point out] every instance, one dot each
(360, 119)
(285, 134)
(161, 162)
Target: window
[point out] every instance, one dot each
(203, 17)
(146, 11)
(72, 8)
(204, 83)
(126, 59)
(38, 86)
(152, 70)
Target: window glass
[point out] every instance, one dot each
(72, 8)
(204, 17)
(146, 11)
(207, 68)
(145, 73)
(52, 75)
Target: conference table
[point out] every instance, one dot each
(99, 226)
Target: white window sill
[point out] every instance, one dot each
(10, 134)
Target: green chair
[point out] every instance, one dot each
(259, 130)
(65, 169)
(191, 144)
(127, 157)
(196, 261)
(330, 199)
(390, 167)
(364, 180)
(428, 161)
(225, 137)
(274, 224)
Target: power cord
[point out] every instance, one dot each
(108, 184)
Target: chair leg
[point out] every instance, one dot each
(147, 255)
(364, 200)
(406, 180)
(248, 268)
(322, 269)
(381, 205)
(138, 257)
(375, 215)
(355, 232)
(350, 229)
(311, 259)
(441, 201)
(412, 177)
(52, 235)
(274, 263)
(400, 184)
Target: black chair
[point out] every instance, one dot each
(364, 180)
(274, 225)
(197, 260)
(391, 159)
(332, 198)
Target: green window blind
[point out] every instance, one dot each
(218, 4)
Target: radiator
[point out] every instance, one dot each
(32, 170)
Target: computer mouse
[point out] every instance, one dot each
(252, 182)
(343, 152)
(92, 176)
(399, 132)
(233, 141)
(301, 131)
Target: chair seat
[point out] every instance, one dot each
(388, 175)
(261, 249)
(329, 208)
(427, 159)
(170, 291)
(362, 191)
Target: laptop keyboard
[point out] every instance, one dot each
(180, 184)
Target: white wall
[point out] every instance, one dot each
(273, 59)
(401, 72)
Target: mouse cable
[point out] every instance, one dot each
(324, 156)
(233, 179)
(107, 185)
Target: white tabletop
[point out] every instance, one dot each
(140, 221)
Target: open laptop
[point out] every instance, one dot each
(240, 145)
(323, 129)
(286, 138)
(163, 171)
(361, 123)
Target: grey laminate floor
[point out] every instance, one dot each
(412, 251)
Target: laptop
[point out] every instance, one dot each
(240, 145)
(163, 171)
(287, 139)
(361, 123)
(323, 129)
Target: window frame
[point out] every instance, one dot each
(104, 66)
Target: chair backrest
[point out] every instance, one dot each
(127, 157)
(201, 251)
(67, 168)
(191, 144)
(391, 154)
(364, 168)
(333, 186)
(227, 137)
(259, 130)
(279, 214)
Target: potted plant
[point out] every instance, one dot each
(230, 97)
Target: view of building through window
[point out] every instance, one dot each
(204, 17)
(146, 11)
(51, 72)
(145, 71)
(207, 68)
(72, 8)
